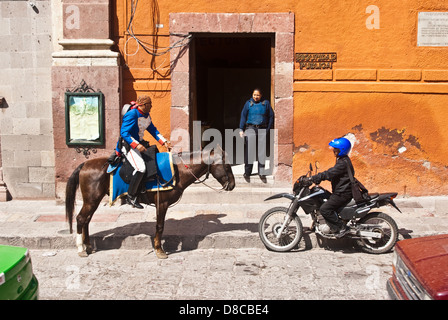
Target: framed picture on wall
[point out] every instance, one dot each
(84, 118)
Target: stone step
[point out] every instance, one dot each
(205, 195)
(247, 191)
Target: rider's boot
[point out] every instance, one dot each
(131, 198)
(340, 229)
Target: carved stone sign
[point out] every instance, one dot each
(432, 29)
(310, 61)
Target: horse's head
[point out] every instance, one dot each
(221, 170)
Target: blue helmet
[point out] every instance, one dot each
(343, 144)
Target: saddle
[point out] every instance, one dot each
(160, 175)
(149, 156)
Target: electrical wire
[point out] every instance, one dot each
(153, 49)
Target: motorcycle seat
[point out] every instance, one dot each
(374, 195)
(352, 203)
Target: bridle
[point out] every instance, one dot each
(198, 180)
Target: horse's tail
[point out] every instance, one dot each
(70, 195)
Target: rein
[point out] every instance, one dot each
(206, 176)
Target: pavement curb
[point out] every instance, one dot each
(106, 240)
(41, 225)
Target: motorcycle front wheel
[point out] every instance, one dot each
(386, 227)
(270, 226)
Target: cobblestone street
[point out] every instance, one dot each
(224, 274)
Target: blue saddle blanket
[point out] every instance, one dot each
(165, 172)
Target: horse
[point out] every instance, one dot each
(93, 180)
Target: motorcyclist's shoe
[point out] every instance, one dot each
(342, 231)
(338, 230)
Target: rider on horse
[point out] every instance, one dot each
(135, 122)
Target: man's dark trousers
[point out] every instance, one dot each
(329, 208)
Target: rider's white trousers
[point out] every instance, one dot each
(135, 158)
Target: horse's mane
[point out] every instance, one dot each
(188, 157)
(192, 156)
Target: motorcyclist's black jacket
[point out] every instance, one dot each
(338, 175)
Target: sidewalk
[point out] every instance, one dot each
(40, 224)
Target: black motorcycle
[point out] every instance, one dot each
(280, 228)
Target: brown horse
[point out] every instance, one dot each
(93, 180)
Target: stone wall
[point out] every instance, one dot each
(26, 125)
(84, 55)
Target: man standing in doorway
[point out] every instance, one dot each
(256, 120)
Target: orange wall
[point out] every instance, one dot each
(383, 88)
(382, 123)
(321, 26)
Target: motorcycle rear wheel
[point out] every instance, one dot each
(270, 225)
(388, 230)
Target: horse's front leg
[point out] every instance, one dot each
(161, 213)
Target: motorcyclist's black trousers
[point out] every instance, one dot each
(329, 209)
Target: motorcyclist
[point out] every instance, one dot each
(341, 186)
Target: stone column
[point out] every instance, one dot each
(3, 190)
(180, 95)
(85, 54)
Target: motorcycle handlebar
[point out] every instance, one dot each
(305, 181)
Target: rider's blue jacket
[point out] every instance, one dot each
(134, 125)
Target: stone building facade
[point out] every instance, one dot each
(376, 72)
(26, 119)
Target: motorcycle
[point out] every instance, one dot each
(281, 229)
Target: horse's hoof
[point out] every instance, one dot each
(83, 254)
(161, 255)
(89, 250)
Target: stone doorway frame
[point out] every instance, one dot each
(282, 26)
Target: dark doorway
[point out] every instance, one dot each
(225, 70)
